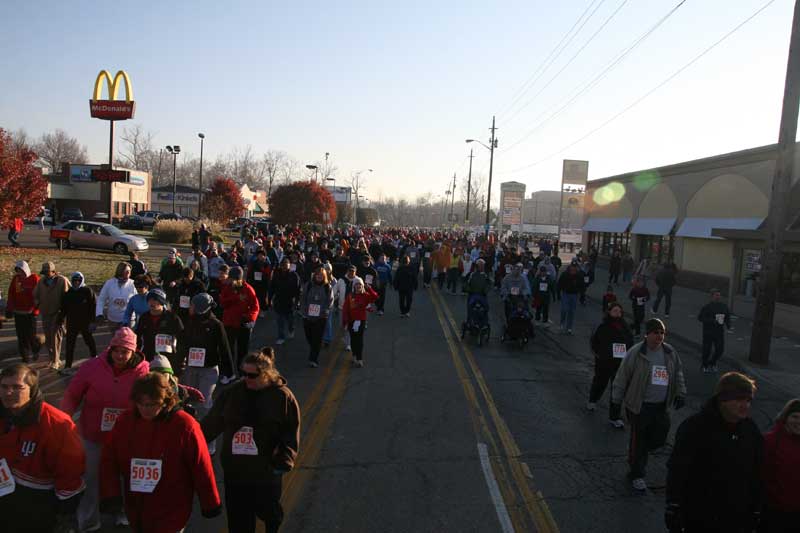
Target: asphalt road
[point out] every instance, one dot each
(437, 434)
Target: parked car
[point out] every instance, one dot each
(170, 216)
(100, 217)
(148, 217)
(48, 219)
(236, 224)
(71, 213)
(86, 234)
(131, 222)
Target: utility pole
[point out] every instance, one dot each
(469, 187)
(761, 336)
(453, 198)
(492, 146)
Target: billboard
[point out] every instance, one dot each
(574, 173)
(511, 210)
(340, 194)
(80, 174)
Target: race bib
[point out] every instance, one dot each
(514, 291)
(258, 276)
(7, 482)
(356, 325)
(145, 474)
(427, 255)
(121, 303)
(164, 343)
(720, 318)
(640, 301)
(292, 267)
(586, 279)
(660, 376)
(508, 269)
(543, 287)
(412, 255)
(313, 309)
(197, 357)
(467, 266)
(184, 301)
(525, 272)
(243, 443)
(619, 350)
(109, 418)
(368, 279)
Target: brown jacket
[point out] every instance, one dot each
(48, 297)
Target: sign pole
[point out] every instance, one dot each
(110, 167)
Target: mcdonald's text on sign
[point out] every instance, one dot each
(112, 109)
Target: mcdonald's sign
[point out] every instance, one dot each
(112, 109)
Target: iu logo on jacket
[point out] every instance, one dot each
(28, 447)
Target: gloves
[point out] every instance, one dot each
(679, 402)
(615, 411)
(673, 518)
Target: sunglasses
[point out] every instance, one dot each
(251, 375)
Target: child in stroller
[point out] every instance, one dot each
(477, 322)
(519, 326)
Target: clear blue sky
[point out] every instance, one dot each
(398, 86)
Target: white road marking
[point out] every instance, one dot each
(494, 490)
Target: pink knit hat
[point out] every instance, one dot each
(124, 337)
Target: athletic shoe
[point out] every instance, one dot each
(705, 369)
(618, 423)
(380, 313)
(66, 371)
(348, 348)
(359, 363)
(639, 485)
(280, 341)
(121, 520)
(55, 365)
(262, 314)
(313, 364)
(291, 335)
(591, 406)
(666, 315)
(95, 527)
(569, 332)
(212, 447)
(408, 315)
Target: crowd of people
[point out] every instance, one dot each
(179, 374)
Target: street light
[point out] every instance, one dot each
(200, 196)
(314, 168)
(174, 150)
(357, 173)
(491, 147)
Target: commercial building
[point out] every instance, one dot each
(186, 200)
(255, 202)
(90, 189)
(707, 216)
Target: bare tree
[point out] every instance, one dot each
(245, 167)
(136, 149)
(288, 171)
(20, 139)
(58, 148)
(272, 161)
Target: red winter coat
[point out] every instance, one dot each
(239, 306)
(98, 388)
(20, 294)
(781, 470)
(176, 439)
(355, 306)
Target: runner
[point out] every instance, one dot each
(41, 457)
(569, 287)
(354, 317)
(159, 330)
(284, 291)
(610, 343)
(384, 270)
(78, 311)
(113, 298)
(48, 297)
(137, 305)
(317, 301)
(160, 454)
(239, 313)
(639, 295)
(648, 383)
(513, 289)
(259, 272)
(405, 283)
(259, 419)
(22, 308)
(343, 288)
(186, 289)
(101, 390)
(665, 281)
(714, 316)
(542, 289)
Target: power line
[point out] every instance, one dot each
(568, 63)
(647, 94)
(598, 78)
(531, 81)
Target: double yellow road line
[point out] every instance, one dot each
(526, 509)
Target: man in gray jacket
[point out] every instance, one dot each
(648, 383)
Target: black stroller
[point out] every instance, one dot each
(519, 322)
(477, 322)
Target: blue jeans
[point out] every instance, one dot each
(568, 304)
(333, 316)
(284, 320)
(627, 276)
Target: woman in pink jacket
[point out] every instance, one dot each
(103, 385)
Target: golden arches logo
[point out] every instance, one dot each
(112, 109)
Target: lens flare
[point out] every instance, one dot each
(609, 193)
(646, 180)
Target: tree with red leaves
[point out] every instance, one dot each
(224, 201)
(302, 201)
(23, 190)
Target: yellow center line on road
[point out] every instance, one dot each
(534, 503)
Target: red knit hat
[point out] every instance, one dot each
(124, 337)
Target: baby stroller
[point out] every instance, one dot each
(477, 322)
(519, 324)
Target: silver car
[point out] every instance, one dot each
(86, 234)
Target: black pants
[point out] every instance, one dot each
(778, 522)
(405, 301)
(72, 337)
(543, 311)
(427, 274)
(604, 372)
(239, 341)
(12, 238)
(314, 329)
(713, 338)
(648, 432)
(27, 343)
(357, 340)
(246, 501)
(613, 277)
(452, 279)
(638, 318)
(381, 301)
(665, 293)
(440, 278)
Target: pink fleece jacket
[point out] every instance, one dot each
(98, 388)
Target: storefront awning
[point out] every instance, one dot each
(701, 227)
(653, 226)
(607, 225)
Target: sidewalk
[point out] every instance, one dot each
(783, 371)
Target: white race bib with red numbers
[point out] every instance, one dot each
(109, 418)
(258, 276)
(543, 287)
(145, 474)
(508, 269)
(660, 376)
(7, 482)
(514, 291)
(368, 279)
(427, 255)
(292, 267)
(720, 318)
(184, 302)
(412, 255)
(197, 357)
(313, 309)
(586, 279)
(164, 343)
(618, 349)
(243, 443)
(640, 300)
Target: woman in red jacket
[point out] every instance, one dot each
(781, 472)
(354, 316)
(239, 312)
(22, 307)
(160, 454)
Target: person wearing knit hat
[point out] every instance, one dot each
(781, 465)
(159, 330)
(161, 364)
(713, 473)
